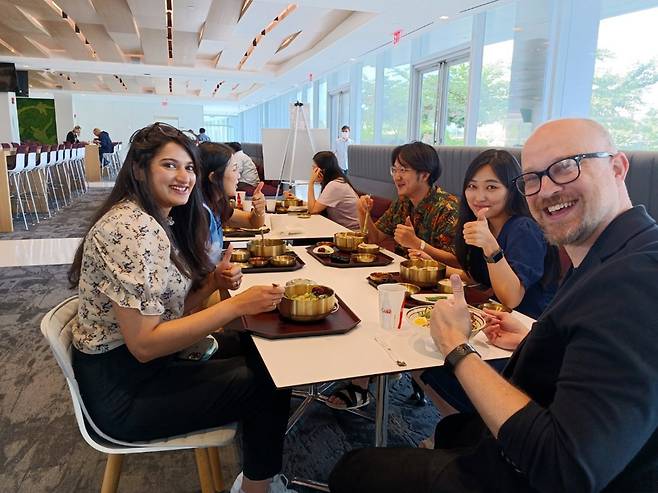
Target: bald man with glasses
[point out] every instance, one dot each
(576, 409)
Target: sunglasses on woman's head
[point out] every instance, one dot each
(156, 128)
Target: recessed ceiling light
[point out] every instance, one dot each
(444, 17)
(352, 59)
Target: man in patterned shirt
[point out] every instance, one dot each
(423, 217)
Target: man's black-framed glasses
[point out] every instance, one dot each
(560, 172)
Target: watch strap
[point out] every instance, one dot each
(495, 256)
(456, 355)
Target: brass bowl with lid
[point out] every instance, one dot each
(349, 241)
(423, 273)
(307, 302)
(268, 247)
(283, 260)
(240, 255)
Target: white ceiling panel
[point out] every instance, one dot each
(154, 46)
(130, 40)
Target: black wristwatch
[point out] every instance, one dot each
(458, 354)
(495, 256)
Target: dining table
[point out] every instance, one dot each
(366, 350)
(296, 227)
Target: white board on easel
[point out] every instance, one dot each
(274, 149)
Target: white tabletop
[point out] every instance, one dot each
(291, 227)
(304, 360)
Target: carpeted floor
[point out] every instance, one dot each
(71, 221)
(41, 447)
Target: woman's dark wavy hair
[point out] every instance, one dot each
(327, 162)
(420, 157)
(214, 158)
(189, 233)
(506, 167)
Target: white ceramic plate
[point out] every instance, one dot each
(430, 298)
(420, 317)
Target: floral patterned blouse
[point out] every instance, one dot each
(434, 220)
(126, 259)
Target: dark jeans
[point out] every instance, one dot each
(444, 383)
(136, 401)
(467, 460)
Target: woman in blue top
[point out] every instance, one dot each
(219, 181)
(498, 245)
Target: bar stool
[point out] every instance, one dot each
(44, 168)
(31, 169)
(17, 174)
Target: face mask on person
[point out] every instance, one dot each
(345, 135)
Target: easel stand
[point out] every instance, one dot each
(298, 116)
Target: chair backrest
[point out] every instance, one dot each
(53, 155)
(20, 160)
(56, 327)
(31, 158)
(5, 145)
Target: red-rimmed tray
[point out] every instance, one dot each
(272, 268)
(271, 325)
(380, 260)
(474, 294)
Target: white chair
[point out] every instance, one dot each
(56, 327)
(44, 168)
(31, 169)
(18, 173)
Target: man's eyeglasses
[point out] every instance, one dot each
(560, 172)
(157, 127)
(399, 170)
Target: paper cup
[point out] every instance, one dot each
(270, 205)
(391, 305)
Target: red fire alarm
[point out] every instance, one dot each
(396, 36)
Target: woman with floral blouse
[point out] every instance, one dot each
(143, 273)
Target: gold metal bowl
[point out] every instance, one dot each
(283, 260)
(363, 258)
(240, 255)
(410, 288)
(349, 241)
(423, 273)
(267, 247)
(368, 248)
(445, 286)
(302, 310)
(494, 305)
(259, 261)
(293, 202)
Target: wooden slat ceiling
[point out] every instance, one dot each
(96, 40)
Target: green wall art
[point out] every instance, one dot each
(36, 120)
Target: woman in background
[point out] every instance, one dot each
(337, 195)
(219, 181)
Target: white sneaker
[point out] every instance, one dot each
(237, 484)
(279, 484)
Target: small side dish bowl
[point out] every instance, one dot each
(259, 261)
(364, 258)
(283, 260)
(411, 289)
(240, 255)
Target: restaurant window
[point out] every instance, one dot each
(368, 78)
(395, 110)
(625, 85)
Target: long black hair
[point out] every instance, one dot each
(189, 232)
(215, 158)
(506, 167)
(327, 162)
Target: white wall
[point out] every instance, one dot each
(122, 116)
(8, 118)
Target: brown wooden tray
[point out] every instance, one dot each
(239, 233)
(381, 260)
(271, 268)
(474, 294)
(271, 325)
